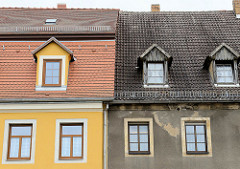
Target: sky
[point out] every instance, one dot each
(127, 5)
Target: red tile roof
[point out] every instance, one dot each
(90, 76)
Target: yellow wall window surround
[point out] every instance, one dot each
(53, 60)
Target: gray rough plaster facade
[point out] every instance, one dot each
(225, 136)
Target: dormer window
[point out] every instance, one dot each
(155, 73)
(224, 74)
(53, 59)
(50, 21)
(155, 62)
(222, 65)
(52, 72)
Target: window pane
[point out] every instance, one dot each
(133, 129)
(55, 80)
(56, 65)
(133, 146)
(155, 66)
(72, 130)
(190, 138)
(77, 146)
(201, 147)
(190, 129)
(49, 65)
(143, 138)
(66, 142)
(224, 73)
(49, 73)
(143, 129)
(191, 147)
(200, 138)
(25, 148)
(155, 79)
(14, 148)
(143, 146)
(200, 129)
(133, 138)
(21, 131)
(55, 73)
(48, 80)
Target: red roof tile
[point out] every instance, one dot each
(90, 76)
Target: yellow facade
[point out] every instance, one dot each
(51, 50)
(45, 137)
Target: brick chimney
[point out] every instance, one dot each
(61, 6)
(156, 7)
(236, 8)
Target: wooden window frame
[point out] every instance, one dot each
(71, 144)
(138, 152)
(44, 72)
(195, 124)
(20, 142)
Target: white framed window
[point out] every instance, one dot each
(225, 73)
(139, 140)
(196, 136)
(155, 73)
(71, 141)
(60, 84)
(19, 142)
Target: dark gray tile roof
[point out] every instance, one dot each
(189, 37)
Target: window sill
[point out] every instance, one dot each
(18, 162)
(197, 153)
(41, 88)
(157, 86)
(226, 85)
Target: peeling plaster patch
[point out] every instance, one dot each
(196, 114)
(174, 132)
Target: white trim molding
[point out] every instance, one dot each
(63, 87)
(55, 106)
(6, 137)
(57, 140)
(205, 120)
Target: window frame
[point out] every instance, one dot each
(84, 141)
(165, 75)
(195, 136)
(138, 124)
(163, 79)
(6, 141)
(44, 73)
(233, 64)
(71, 144)
(196, 120)
(150, 136)
(20, 142)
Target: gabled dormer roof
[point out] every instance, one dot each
(222, 52)
(223, 47)
(52, 39)
(156, 53)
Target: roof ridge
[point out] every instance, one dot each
(41, 8)
(150, 12)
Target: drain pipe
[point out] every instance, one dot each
(105, 137)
